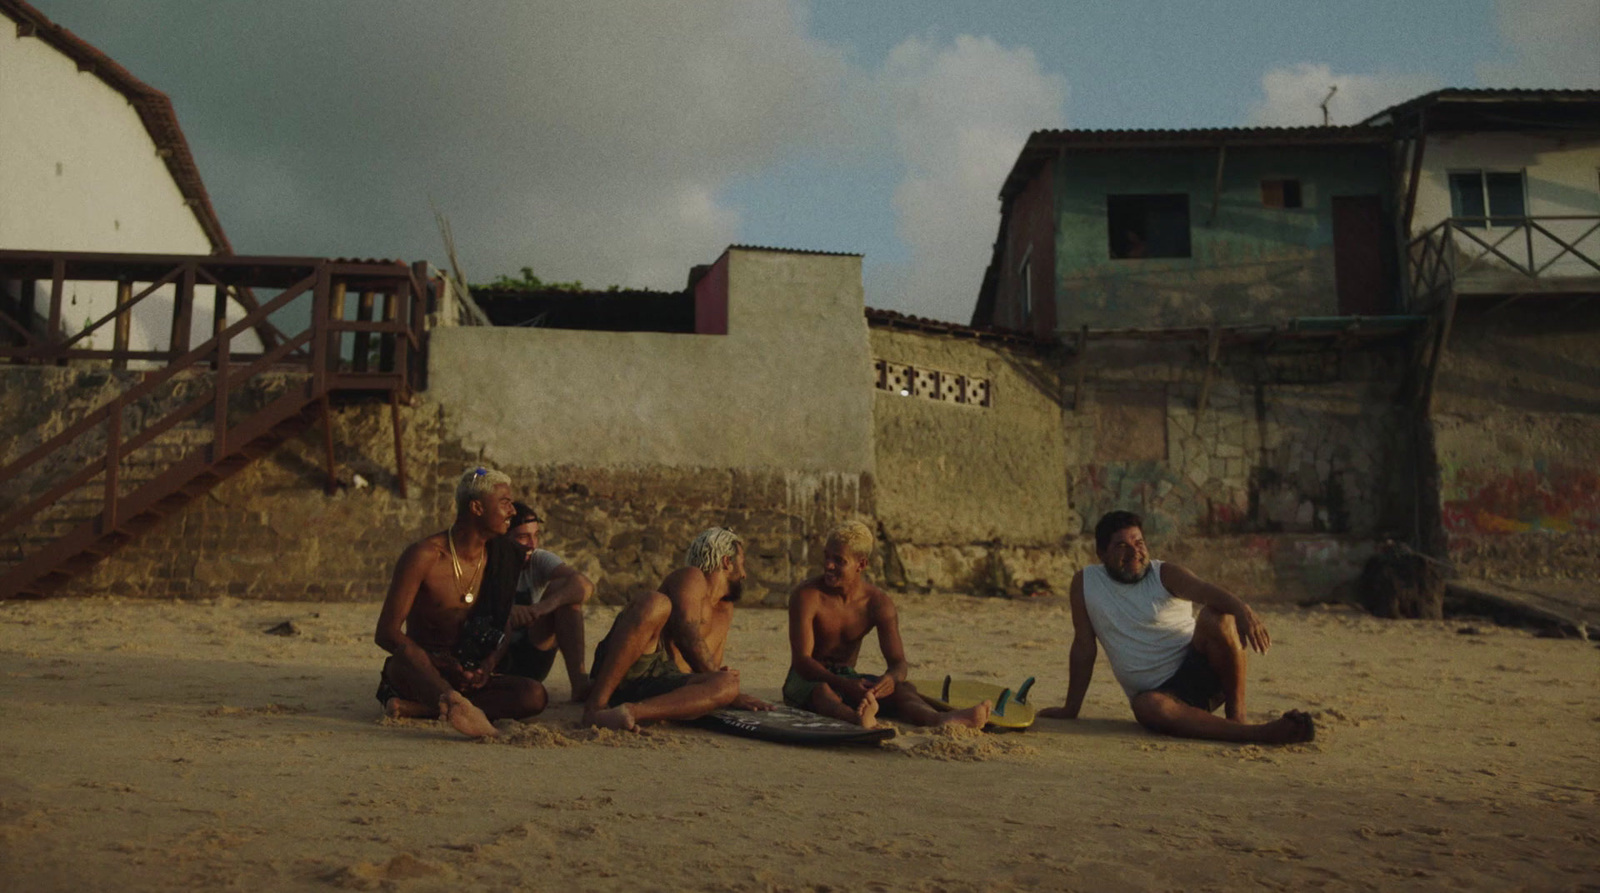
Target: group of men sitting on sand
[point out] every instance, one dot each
(475, 615)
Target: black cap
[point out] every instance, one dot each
(524, 514)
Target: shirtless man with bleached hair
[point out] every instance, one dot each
(1175, 667)
(829, 615)
(662, 658)
(435, 583)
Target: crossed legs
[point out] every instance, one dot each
(637, 632)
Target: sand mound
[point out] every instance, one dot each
(960, 744)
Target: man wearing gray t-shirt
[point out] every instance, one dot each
(547, 615)
(1175, 667)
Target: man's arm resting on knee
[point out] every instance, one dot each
(1080, 660)
(567, 588)
(1184, 585)
(802, 641)
(887, 618)
(390, 635)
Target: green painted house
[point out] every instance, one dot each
(1142, 229)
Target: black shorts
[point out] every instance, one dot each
(523, 659)
(1195, 683)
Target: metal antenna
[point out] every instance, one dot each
(1331, 90)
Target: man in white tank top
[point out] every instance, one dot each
(1175, 667)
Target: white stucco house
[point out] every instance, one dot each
(1513, 176)
(92, 159)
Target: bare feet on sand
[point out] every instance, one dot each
(455, 709)
(974, 717)
(400, 708)
(580, 689)
(867, 711)
(1294, 727)
(618, 718)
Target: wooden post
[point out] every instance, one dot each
(124, 326)
(1213, 348)
(182, 313)
(52, 332)
(219, 430)
(363, 340)
(336, 337)
(1216, 190)
(1438, 352)
(319, 323)
(1082, 365)
(389, 341)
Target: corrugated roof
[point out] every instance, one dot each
(1487, 95)
(153, 107)
(794, 250)
(1045, 144)
(891, 319)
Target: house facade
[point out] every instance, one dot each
(93, 159)
(1161, 229)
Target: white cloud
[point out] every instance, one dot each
(960, 113)
(1553, 44)
(1292, 96)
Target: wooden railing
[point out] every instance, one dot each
(297, 351)
(1534, 249)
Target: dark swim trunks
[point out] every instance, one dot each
(1195, 683)
(797, 689)
(653, 674)
(523, 659)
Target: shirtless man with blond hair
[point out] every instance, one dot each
(435, 583)
(662, 658)
(829, 615)
(1175, 667)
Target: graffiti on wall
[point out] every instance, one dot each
(1542, 499)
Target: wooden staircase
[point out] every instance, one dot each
(199, 415)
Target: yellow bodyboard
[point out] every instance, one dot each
(1009, 708)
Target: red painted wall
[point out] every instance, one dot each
(711, 300)
(1032, 225)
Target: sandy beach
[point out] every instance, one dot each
(158, 745)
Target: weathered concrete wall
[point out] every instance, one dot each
(1301, 456)
(1300, 460)
(1252, 264)
(960, 482)
(1516, 425)
(784, 390)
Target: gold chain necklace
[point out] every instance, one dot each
(470, 596)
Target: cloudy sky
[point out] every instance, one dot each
(623, 142)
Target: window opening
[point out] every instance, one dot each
(1142, 226)
(1488, 198)
(1281, 194)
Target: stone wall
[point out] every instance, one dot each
(1278, 488)
(1516, 426)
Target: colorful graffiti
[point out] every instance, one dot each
(1543, 499)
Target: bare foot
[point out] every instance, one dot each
(1294, 727)
(867, 711)
(400, 708)
(580, 688)
(975, 717)
(617, 718)
(465, 716)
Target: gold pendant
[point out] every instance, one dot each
(468, 598)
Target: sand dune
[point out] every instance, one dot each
(153, 745)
